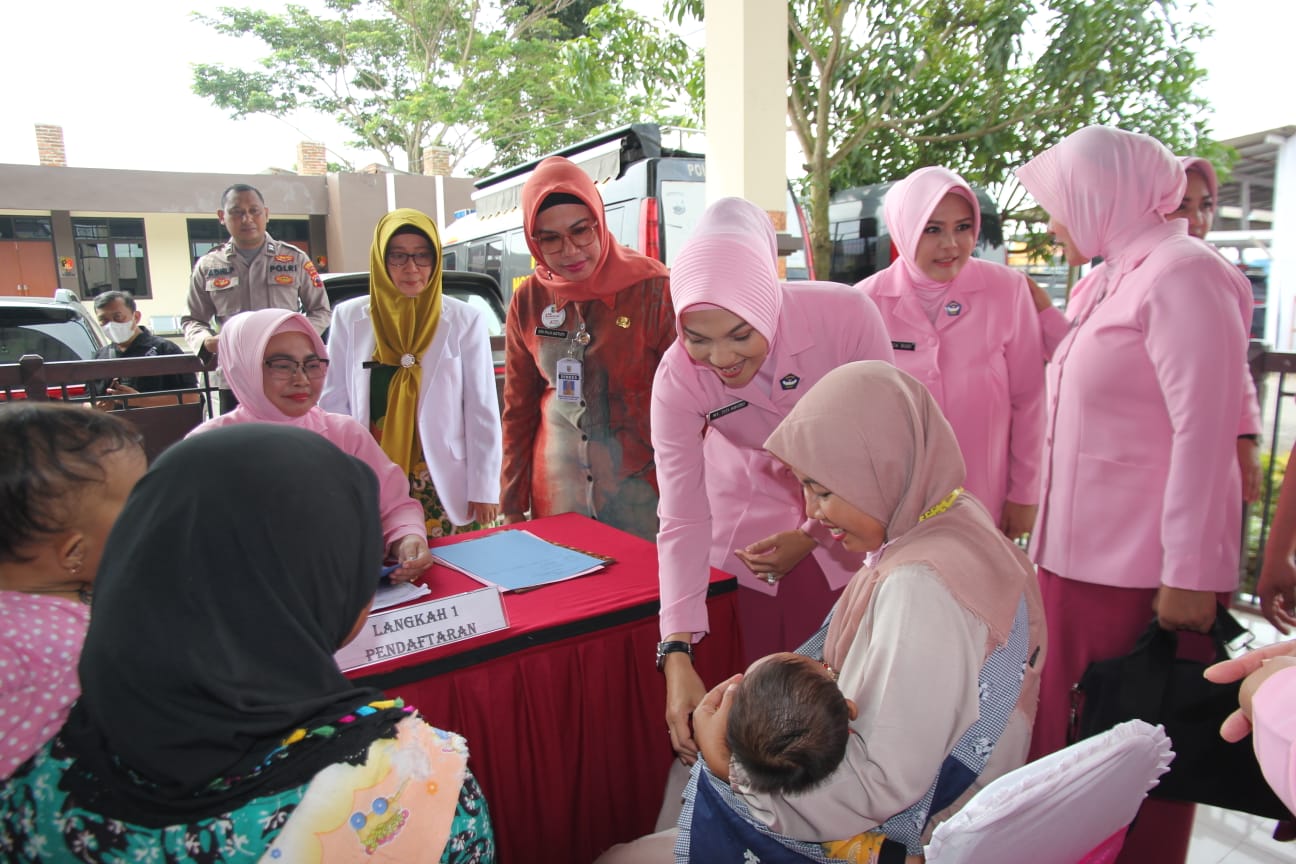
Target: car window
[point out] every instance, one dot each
(493, 323)
(49, 333)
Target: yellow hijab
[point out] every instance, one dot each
(403, 330)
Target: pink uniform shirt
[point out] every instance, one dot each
(731, 492)
(1140, 480)
(980, 358)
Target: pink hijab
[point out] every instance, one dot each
(1106, 186)
(1204, 168)
(241, 349)
(908, 206)
(731, 262)
(875, 437)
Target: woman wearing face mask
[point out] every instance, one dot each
(965, 328)
(749, 348)
(415, 368)
(1138, 509)
(585, 333)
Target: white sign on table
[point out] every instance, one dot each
(444, 621)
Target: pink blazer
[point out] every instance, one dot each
(1054, 325)
(1273, 720)
(1140, 479)
(982, 365)
(735, 493)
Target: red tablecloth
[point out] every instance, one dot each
(564, 711)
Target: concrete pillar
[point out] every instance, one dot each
(1280, 329)
(49, 145)
(311, 159)
(746, 102)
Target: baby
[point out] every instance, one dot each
(788, 724)
(65, 473)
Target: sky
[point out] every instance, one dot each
(117, 78)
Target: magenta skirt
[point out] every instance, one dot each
(781, 622)
(1088, 622)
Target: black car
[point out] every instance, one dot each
(475, 289)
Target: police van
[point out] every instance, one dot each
(652, 195)
(861, 244)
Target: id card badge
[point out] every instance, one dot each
(569, 380)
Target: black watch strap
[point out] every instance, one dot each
(664, 648)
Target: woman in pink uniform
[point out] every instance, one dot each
(1198, 207)
(749, 348)
(1138, 506)
(275, 363)
(967, 330)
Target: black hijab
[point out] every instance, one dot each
(241, 561)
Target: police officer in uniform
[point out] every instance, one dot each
(252, 271)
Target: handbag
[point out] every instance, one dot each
(1152, 684)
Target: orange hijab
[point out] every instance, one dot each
(618, 267)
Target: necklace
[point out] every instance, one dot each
(944, 504)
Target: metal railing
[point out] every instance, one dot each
(1270, 371)
(33, 378)
(78, 381)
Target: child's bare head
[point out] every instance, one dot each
(788, 724)
(64, 473)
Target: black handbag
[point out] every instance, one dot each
(1153, 685)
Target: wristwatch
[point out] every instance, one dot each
(664, 648)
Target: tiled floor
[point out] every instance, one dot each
(1227, 837)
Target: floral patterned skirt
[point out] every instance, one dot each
(438, 523)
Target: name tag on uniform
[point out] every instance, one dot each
(569, 380)
(902, 346)
(552, 334)
(728, 409)
(220, 283)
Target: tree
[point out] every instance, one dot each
(462, 74)
(879, 88)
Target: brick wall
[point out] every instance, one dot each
(311, 159)
(49, 145)
(436, 161)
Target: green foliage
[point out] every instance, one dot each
(522, 77)
(878, 88)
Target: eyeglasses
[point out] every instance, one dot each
(400, 259)
(284, 370)
(580, 237)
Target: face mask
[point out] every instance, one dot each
(120, 332)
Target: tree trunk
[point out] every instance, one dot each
(820, 231)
